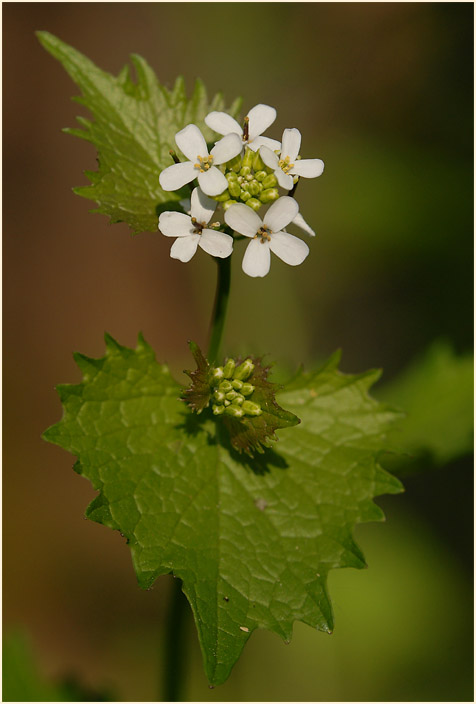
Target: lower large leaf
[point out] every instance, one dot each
(252, 539)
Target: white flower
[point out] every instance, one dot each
(267, 235)
(191, 231)
(288, 165)
(192, 143)
(258, 120)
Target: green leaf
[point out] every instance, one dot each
(436, 392)
(252, 539)
(133, 130)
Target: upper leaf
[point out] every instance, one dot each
(134, 129)
(252, 540)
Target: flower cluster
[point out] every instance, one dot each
(231, 393)
(241, 173)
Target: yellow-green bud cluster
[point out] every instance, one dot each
(231, 392)
(250, 181)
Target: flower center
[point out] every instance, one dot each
(204, 163)
(265, 233)
(285, 164)
(197, 226)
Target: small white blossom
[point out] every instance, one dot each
(191, 142)
(267, 235)
(258, 119)
(288, 165)
(191, 231)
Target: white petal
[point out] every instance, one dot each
(191, 142)
(202, 207)
(269, 158)
(223, 123)
(257, 258)
(174, 177)
(302, 224)
(281, 213)
(226, 148)
(290, 249)
(243, 219)
(260, 117)
(309, 168)
(172, 224)
(284, 180)
(291, 144)
(212, 182)
(272, 144)
(218, 244)
(184, 248)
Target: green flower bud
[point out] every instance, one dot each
(268, 195)
(222, 197)
(254, 203)
(244, 370)
(231, 176)
(227, 204)
(249, 177)
(248, 159)
(254, 188)
(235, 411)
(234, 188)
(238, 400)
(251, 409)
(217, 373)
(235, 163)
(231, 395)
(226, 403)
(237, 384)
(260, 175)
(270, 181)
(244, 195)
(245, 170)
(218, 410)
(247, 389)
(229, 368)
(225, 386)
(258, 163)
(218, 396)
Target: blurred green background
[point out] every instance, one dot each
(383, 94)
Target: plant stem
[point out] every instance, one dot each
(175, 645)
(217, 323)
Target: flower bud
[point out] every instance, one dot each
(229, 368)
(234, 163)
(237, 384)
(234, 188)
(217, 373)
(218, 410)
(258, 163)
(222, 197)
(245, 170)
(247, 389)
(227, 204)
(235, 411)
(260, 175)
(248, 159)
(238, 400)
(231, 395)
(254, 203)
(225, 386)
(244, 195)
(231, 177)
(270, 181)
(253, 187)
(218, 396)
(251, 409)
(268, 195)
(243, 371)
(226, 402)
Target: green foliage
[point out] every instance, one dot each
(23, 682)
(134, 128)
(436, 392)
(252, 539)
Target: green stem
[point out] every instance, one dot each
(175, 645)
(217, 323)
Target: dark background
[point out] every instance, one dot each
(383, 94)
